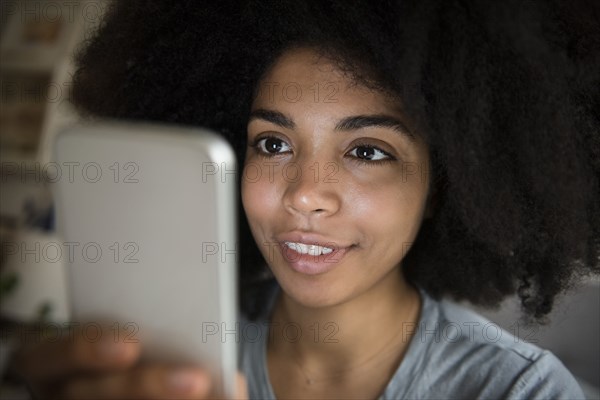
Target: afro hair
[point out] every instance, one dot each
(506, 94)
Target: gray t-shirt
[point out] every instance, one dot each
(453, 354)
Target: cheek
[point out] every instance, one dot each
(390, 212)
(259, 196)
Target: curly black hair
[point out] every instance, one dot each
(506, 94)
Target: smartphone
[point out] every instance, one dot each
(147, 216)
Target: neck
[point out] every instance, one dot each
(350, 335)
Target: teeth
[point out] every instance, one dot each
(311, 249)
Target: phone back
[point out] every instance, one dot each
(148, 218)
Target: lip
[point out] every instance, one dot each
(309, 264)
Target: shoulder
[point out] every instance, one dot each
(253, 334)
(455, 352)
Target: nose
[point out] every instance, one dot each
(310, 190)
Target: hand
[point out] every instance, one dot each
(75, 368)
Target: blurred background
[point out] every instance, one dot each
(37, 43)
(39, 39)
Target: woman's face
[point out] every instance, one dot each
(330, 163)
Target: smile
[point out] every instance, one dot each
(311, 249)
(312, 259)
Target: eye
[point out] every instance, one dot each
(271, 145)
(369, 153)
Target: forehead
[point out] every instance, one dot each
(303, 76)
(305, 63)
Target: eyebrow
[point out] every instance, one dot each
(347, 124)
(376, 121)
(275, 117)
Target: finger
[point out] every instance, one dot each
(43, 360)
(148, 382)
(241, 387)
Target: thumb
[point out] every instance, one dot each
(241, 387)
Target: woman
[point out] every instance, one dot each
(406, 152)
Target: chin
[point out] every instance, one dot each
(315, 294)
